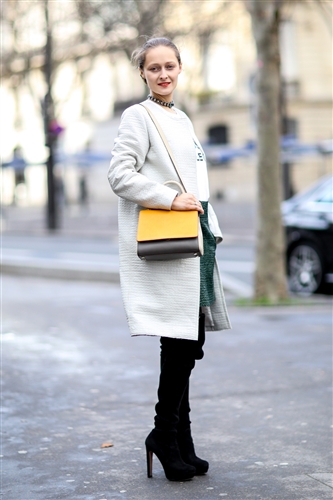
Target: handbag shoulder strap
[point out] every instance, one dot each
(166, 144)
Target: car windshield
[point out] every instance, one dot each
(327, 195)
(322, 191)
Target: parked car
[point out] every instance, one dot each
(308, 219)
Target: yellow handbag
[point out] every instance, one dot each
(169, 234)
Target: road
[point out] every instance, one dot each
(87, 241)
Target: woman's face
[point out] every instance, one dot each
(161, 70)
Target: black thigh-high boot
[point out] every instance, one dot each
(184, 436)
(177, 362)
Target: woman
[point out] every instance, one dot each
(165, 298)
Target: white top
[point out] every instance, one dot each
(203, 189)
(203, 186)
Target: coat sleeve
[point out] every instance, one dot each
(128, 156)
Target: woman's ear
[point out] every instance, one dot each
(143, 78)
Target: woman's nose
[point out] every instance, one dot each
(163, 73)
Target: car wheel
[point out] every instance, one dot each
(305, 268)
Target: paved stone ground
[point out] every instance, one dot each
(73, 379)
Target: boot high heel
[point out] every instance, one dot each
(164, 445)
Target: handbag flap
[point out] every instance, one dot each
(167, 224)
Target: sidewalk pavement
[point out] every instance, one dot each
(73, 380)
(100, 219)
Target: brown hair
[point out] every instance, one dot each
(139, 55)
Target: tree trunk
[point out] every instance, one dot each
(270, 274)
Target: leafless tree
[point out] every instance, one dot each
(270, 274)
(83, 29)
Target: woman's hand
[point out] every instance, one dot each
(187, 201)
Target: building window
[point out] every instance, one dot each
(218, 134)
(290, 127)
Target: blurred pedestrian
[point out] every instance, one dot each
(83, 192)
(172, 299)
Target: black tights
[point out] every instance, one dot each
(178, 358)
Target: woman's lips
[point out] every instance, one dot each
(164, 84)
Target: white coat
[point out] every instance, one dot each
(160, 298)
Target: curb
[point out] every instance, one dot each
(102, 273)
